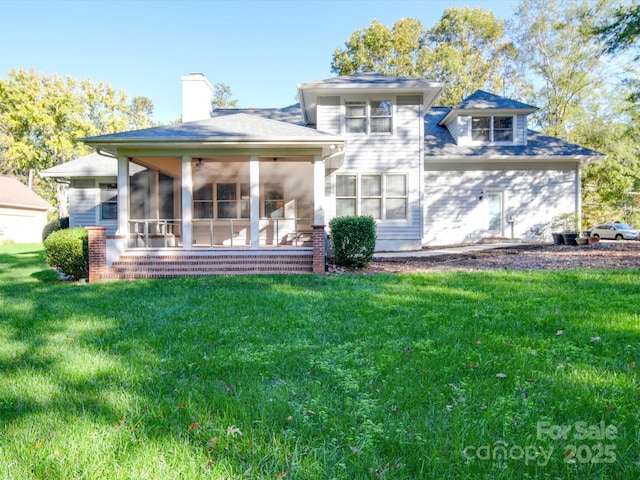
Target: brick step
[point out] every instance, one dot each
(212, 261)
(131, 266)
(137, 273)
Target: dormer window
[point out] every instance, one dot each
(492, 129)
(368, 116)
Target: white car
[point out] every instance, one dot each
(615, 231)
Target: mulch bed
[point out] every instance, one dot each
(624, 254)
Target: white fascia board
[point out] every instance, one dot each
(581, 159)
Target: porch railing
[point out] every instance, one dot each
(274, 232)
(146, 233)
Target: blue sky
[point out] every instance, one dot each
(262, 49)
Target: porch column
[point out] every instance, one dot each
(254, 201)
(123, 196)
(319, 250)
(318, 190)
(187, 195)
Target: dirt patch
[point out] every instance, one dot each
(519, 257)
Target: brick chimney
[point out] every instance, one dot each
(197, 93)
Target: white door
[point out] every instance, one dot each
(495, 218)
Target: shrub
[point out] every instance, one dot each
(354, 240)
(54, 225)
(68, 251)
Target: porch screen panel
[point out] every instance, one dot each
(227, 200)
(273, 200)
(203, 202)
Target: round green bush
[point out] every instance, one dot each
(54, 225)
(354, 240)
(68, 251)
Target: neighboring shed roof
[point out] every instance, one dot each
(440, 144)
(92, 165)
(14, 194)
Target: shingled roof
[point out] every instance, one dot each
(231, 127)
(440, 144)
(14, 194)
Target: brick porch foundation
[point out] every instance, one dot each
(318, 249)
(97, 252)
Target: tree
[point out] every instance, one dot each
(42, 118)
(559, 55)
(621, 34)
(222, 97)
(623, 31)
(466, 50)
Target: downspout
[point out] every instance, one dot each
(579, 196)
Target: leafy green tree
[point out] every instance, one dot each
(622, 31)
(574, 82)
(42, 118)
(222, 97)
(559, 55)
(466, 50)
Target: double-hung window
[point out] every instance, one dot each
(492, 129)
(368, 116)
(108, 201)
(384, 197)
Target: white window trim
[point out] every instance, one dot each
(471, 141)
(383, 206)
(99, 219)
(367, 101)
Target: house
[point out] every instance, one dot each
(23, 214)
(256, 184)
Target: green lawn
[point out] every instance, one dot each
(504, 375)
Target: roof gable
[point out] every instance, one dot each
(485, 103)
(364, 83)
(480, 100)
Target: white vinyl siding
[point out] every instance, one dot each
(388, 154)
(531, 193)
(85, 203)
(328, 115)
